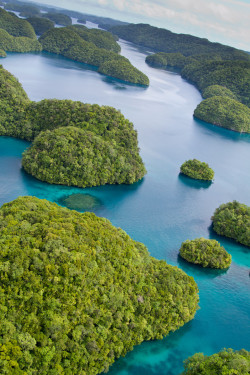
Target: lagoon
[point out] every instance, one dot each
(162, 210)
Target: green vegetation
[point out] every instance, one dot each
(225, 112)
(233, 220)
(80, 202)
(165, 41)
(76, 157)
(26, 10)
(58, 18)
(94, 145)
(40, 24)
(2, 52)
(122, 69)
(164, 60)
(226, 362)
(197, 169)
(234, 75)
(217, 90)
(69, 43)
(77, 293)
(207, 253)
(100, 38)
(18, 44)
(15, 26)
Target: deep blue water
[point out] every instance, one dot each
(162, 210)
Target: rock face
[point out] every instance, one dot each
(76, 292)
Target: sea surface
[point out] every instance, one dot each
(162, 210)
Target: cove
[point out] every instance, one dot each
(162, 210)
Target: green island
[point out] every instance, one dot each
(16, 34)
(76, 157)
(197, 169)
(207, 253)
(40, 24)
(26, 10)
(58, 18)
(225, 112)
(225, 362)
(92, 145)
(204, 64)
(77, 293)
(71, 42)
(94, 47)
(233, 220)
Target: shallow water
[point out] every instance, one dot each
(162, 210)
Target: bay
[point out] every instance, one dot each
(162, 210)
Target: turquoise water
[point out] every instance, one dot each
(162, 210)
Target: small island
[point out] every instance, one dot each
(227, 361)
(197, 170)
(207, 253)
(82, 292)
(233, 220)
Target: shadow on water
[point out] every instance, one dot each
(222, 132)
(199, 271)
(191, 182)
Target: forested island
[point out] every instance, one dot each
(197, 169)
(94, 47)
(204, 252)
(204, 64)
(77, 293)
(226, 362)
(83, 144)
(76, 157)
(79, 44)
(233, 220)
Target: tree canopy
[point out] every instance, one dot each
(76, 157)
(226, 362)
(233, 220)
(226, 112)
(196, 169)
(77, 293)
(15, 26)
(78, 44)
(207, 253)
(58, 18)
(40, 24)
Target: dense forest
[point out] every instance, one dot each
(71, 42)
(226, 362)
(58, 18)
(15, 26)
(77, 293)
(94, 47)
(197, 169)
(166, 41)
(40, 24)
(203, 63)
(76, 157)
(207, 253)
(233, 220)
(226, 112)
(95, 145)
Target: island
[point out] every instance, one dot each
(82, 292)
(227, 361)
(197, 169)
(77, 157)
(204, 252)
(16, 34)
(40, 24)
(92, 144)
(225, 112)
(202, 63)
(233, 220)
(79, 45)
(58, 18)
